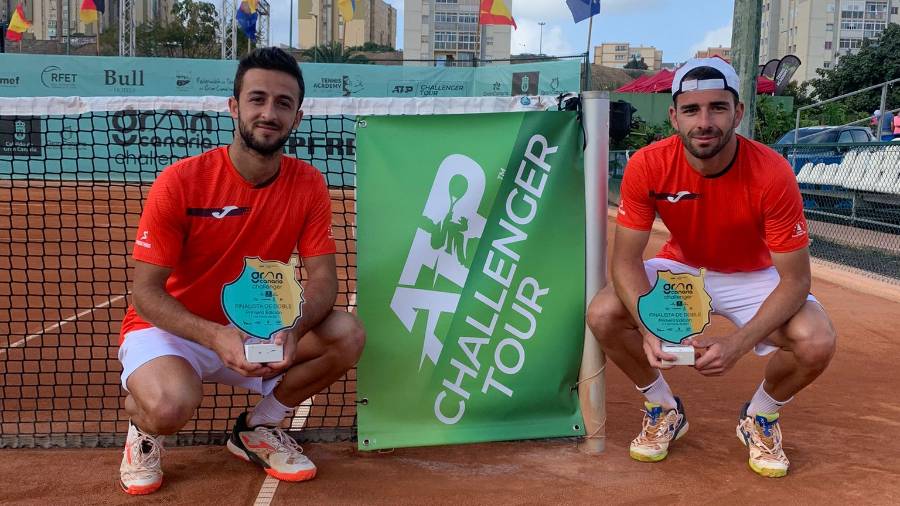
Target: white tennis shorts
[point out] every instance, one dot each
(142, 346)
(736, 296)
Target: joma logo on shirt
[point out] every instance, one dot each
(674, 197)
(216, 212)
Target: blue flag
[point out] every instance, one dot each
(246, 18)
(583, 9)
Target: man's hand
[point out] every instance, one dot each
(653, 349)
(719, 354)
(288, 339)
(228, 344)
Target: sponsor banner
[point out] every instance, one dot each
(472, 287)
(86, 76)
(135, 145)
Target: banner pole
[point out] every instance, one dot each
(592, 377)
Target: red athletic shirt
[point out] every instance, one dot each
(202, 218)
(729, 222)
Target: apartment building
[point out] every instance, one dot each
(819, 32)
(447, 32)
(56, 19)
(373, 21)
(721, 52)
(618, 54)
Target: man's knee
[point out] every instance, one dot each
(607, 317)
(165, 412)
(814, 343)
(345, 345)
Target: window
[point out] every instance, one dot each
(893, 11)
(859, 136)
(845, 136)
(829, 27)
(826, 65)
(445, 1)
(621, 48)
(620, 57)
(827, 44)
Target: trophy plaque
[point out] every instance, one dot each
(677, 307)
(264, 299)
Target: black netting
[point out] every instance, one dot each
(71, 191)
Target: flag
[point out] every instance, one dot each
(583, 9)
(17, 25)
(495, 12)
(246, 18)
(90, 9)
(347, 8)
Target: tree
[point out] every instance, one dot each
(636, 64)
(876, 62)
(371, 47)
(333, 53)
(772, 120)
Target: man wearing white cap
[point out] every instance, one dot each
(733, 208)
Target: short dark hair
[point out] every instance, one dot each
(701, 74)
(268, 58)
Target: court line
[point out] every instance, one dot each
(22, 342)
(266, 492)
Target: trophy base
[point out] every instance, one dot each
(263, 351)
(684, 354)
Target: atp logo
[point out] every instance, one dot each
(441, 251)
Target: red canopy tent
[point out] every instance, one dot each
(662, 82)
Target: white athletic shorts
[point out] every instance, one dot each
(736, 296)
(142, 346)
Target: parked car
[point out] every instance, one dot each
(808, 149)
(828, 135)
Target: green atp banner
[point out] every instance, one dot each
(471, 277)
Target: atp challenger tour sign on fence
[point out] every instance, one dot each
(471, 277)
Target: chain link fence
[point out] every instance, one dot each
(851, 198)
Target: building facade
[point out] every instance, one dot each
(618, 54)
(56, 19)
(447, 32)
(819, 32)
(373, 21)
(722, 52)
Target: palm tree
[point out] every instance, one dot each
(333, 53)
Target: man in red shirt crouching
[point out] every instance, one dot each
(204, 215)
(733, 208)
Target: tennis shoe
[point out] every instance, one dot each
(659, 430)
(140, 472)
(272, 449)
(761, 434)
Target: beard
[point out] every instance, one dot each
(709, 151)
(265, 148)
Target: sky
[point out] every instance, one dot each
(678, 27)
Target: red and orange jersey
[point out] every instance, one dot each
(201, 219)
(729, 222)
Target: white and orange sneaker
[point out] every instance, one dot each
(762, 435)
(659, 429)
(141, 472)
(272, 449)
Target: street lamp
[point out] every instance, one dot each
(541, 41)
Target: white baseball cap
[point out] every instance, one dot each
(727, 78)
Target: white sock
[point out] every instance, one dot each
(762, 402)
(659, 392)
(269, 411)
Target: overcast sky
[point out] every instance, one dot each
(679, 28)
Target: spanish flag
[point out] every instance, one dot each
(347, 8)
(90, 9)
(17, 25)
(495, 12)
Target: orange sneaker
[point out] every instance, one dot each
(660, 428)
(140, 472)
(272, 449)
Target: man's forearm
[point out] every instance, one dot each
(319, 297)
(167, 313)
(630, 282)
(783, 303)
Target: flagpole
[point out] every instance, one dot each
(99, 22)
(590, 28)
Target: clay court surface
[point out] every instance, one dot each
(840, 435)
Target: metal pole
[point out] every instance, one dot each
(746, 29)
(541, 39)
(68, 24)
(883, 117)
(291, 36)
(592, 377)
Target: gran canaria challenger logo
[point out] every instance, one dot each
(265, 298)
(677, 307)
